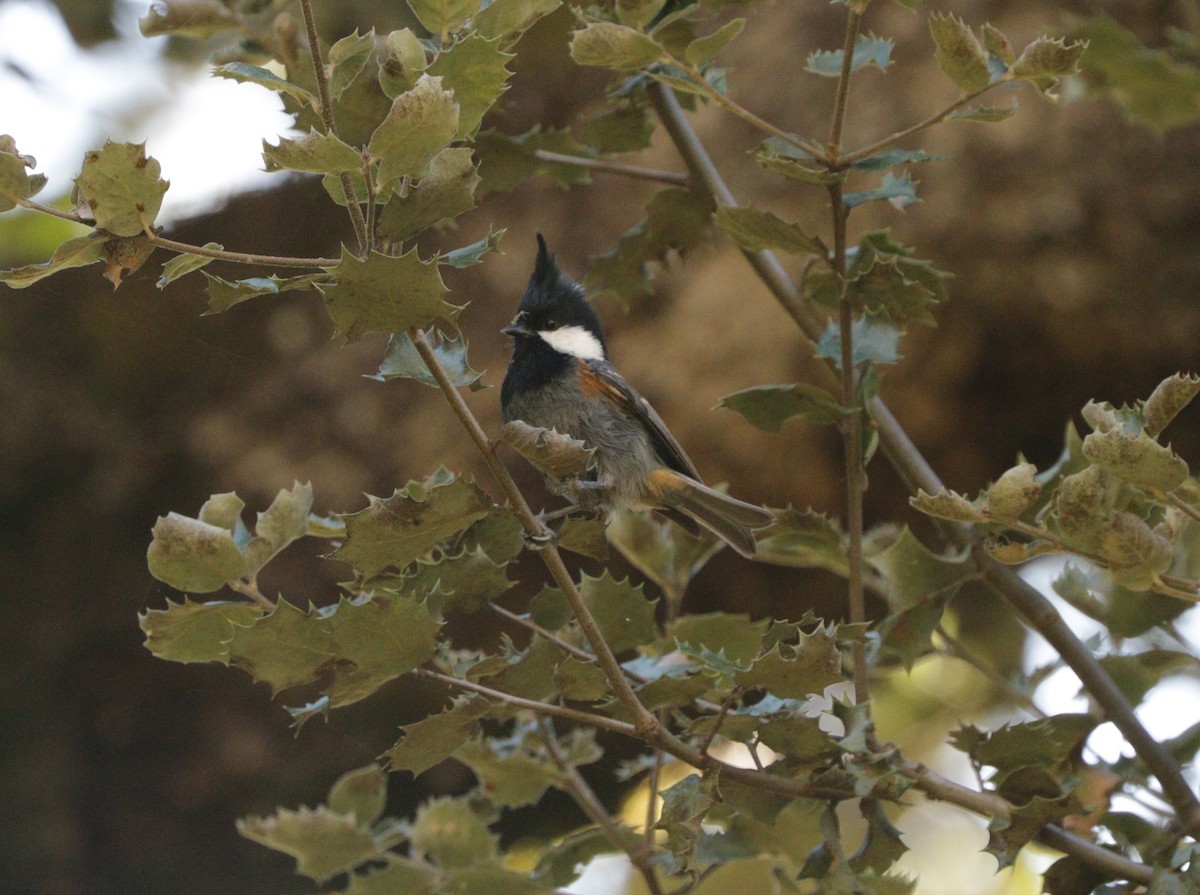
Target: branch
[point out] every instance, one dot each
(314, 49)
(591, 805)
(843, 86)
(610, 167)
(916, 473)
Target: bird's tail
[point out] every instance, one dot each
(730, 519)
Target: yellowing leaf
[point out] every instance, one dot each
(959, 52)
(1136, 458)
(315, 153)
(609, 45)
(195, 632)
(443, 16)
(420, 123)
(119, 185)
(193, 556)
(77, 252)
(509, 18)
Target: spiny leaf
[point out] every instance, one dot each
(224, 294)
(400, 876)
(587, 537)
(193, 556)
(14, 179)
(401, 361)
(609, 45)
(770, 406)
(664, 552)
(948, 505)
(685, 806)
(428, 742)
(959, 52)
(562, 863)
(396, 530)
(899, 191)
(506, 162)
(323, 842)
(182, 265)
(315, 153)
(465, 581)
(120, 187)
(1168, 399)
(623, 129)
(1045, 60)
(402, 63)
(420, 123)
(624, 614)
(243, 72)
(450, 832)
(1013, 493)
(916, 574)
(195, 632)
(446, 190)
(780, 156)
(803, 539)
(1137, 674)
(475, 69)
(875, 342)
(799, 671)
(734, 635)
(77, 252)
(361, 792)
(552, 452)
(757, 230)
(385, 293)
(510, 18)
(868, 50)
(1044, 742)
(891, 157)
(703, 50)
(517, 770)
(472, 254)
(443, 16)
(1136, 458)
(347, 58)
(285, 521)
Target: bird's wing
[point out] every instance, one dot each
(611, 385)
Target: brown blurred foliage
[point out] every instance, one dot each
(1074, 238)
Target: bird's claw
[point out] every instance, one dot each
(540, 541)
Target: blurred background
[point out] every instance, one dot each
(1073, 234)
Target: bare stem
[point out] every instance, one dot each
(587, 800)
(611, 167)
(314, 48)
(843, 86)
(1179, 503)
(580, 654)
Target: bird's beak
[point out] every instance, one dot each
(517, 328)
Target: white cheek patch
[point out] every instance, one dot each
(575, 341)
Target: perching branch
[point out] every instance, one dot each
(610, 167)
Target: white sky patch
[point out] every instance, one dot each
(575, 341)
(58, 101)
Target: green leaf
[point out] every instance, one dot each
(1045, 60)
(899, 191)
(985, 113)
(385, 294)
(734, 635)
(875, 342)
(959, 52)
(193, 556)
(401, 361)
(14, 180)
(510, 18)
(224, 294)
(1168, 399)
(796, 672)
(554, 453)
(1138, 674)
(361, 793)
(197, 18)
(465, 581)
(420, 123)
(315, 153)
(527, 673)
(285, 521)
(184, 264)
(624, 614)
(891, 157)
(428, 742)
(195, 632)
(916, 574)
(907, 635)
(609, 45)
(77, 252)
(1013, 493)
(562, 863)
(664, 552)
(803, 539)
(475, 70)
(399, 876)
(323, 842)
(770, 406)
(685, 806)
(703, 50)
(1151, 87)
(506, 162)
(868, 50)
(442, 17)
(120, 187)
(402, 63)
(472, 254)
(1136, 458)
(580, 681)
(624, 129)
(948, 505)
(1044, 742)
(587, 537)
(449, 831)
(780, 156)
(757, 230)
(397, 530)
(499, 535)
(244, 73)
(491, 879)
(347, 58)
(676, 220)
(517, 770)
(446, 190)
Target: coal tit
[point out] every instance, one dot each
(560, 378)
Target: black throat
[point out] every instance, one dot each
(534, 365)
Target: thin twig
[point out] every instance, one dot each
(1179, 503)
(843, 85)
(916, 473)
(581, 654)
(610, 167)
(314, 48)
(600, 722)
(587, 800)
(734, 695)
(959, 651)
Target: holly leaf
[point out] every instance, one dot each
(361, 792)
(777, 154)
(624, 129)
(703, 50)
(556, 454)
(1168, 399)
(475, 69)
(899, 191)
(182, 265)
(796, 671)
(959, 52)
(916, 574)
(198, 20)
(770, 406)
(285, 521)
(1042, 743)
(443, 17)
(315, 153)
(77, 252)
(609, 45)
(465, 581)
(445, 190)
(875, 342)
(245, 73)
(621, 610)
(323, 842)
(756, 230)
(506, 162)
(420, 123)
(431, 741)
(472, 254)
(562, 863)
(15, 182)
(803, 539)
(192, 555)
(451, 833)
(1046, 59)
(889, 158)
(948, 505)
(347, 58)
(120, 187)
(399, 876)
(1137, 458)
(664, 552)
(1137, 674)
(738, 638)
(397, 530)
(224, 294)
(587, 537)
(685, 806)
(195, 632)
(868, 50)
(401, 361)
(510, 18)
(385, 293)
(402, 63)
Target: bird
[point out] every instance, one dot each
(559, 377)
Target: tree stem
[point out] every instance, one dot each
(610, 167)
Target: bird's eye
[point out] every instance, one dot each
(551, 323)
